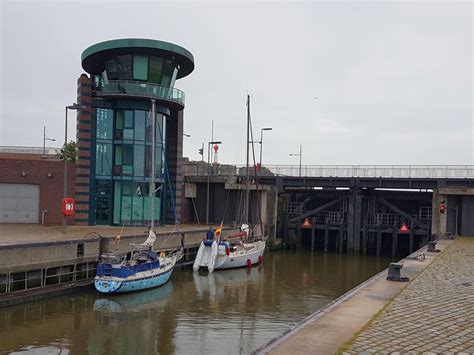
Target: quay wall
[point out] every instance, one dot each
(22, 257)
(30, 271)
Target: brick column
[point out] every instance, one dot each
(83, 139)
(174, 155)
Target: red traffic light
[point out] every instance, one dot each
(442, 207)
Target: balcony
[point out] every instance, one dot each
(140, 89)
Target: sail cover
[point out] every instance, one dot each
(151, 239)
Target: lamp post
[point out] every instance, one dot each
(71, 107)
(44, 142)
(208, 165)
(261, 142)
(300, 155)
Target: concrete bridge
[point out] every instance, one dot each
(358, 208)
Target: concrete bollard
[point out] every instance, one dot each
(394, 273)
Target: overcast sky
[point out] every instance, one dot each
(393, 80)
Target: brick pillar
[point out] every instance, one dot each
(83, 139)
(174, 155)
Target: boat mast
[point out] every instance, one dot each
(247, 182)
(151, 193)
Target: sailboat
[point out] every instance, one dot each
(142, 267)
(244, 248)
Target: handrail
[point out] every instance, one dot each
(351, 171)
(140, 89)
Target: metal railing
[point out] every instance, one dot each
(330, 217)
(140, 89)
(341, 171)
(28, 150)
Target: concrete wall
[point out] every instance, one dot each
(225, 203)
(467, 216)
(170, 240)
(438, 220)
(40, 255)
(269, 212)
(460, 211)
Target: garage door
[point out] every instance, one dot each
(19, 203)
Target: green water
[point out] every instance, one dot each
(228, 312)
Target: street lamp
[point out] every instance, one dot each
(261, 142)
(298, 154)
(44, 142)
(208, 164)
(71, 107)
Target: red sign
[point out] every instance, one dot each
(67, 207)
(306, 223)
(404, 228)
(216, 148)
(442, 207)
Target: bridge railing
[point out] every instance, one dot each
(363, 171)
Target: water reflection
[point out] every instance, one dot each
(133, 302)
(227, 312)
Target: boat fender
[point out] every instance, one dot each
(249, 262)
(227, 250)
(260, 259)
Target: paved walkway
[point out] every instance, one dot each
(325, 331)
(433, 314)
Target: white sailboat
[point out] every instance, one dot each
(142, 268)
(244, 248)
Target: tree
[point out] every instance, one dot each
(71, 152)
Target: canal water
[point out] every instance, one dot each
(227, 312)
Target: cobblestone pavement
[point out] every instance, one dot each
(433, 314)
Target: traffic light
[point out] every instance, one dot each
(201, 151)
(442, 207)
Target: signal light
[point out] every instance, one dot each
(442, 207)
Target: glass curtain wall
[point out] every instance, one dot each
(152, 69)
(123, 167)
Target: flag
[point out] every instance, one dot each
(218, 231)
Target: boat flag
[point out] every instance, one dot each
(218, 231)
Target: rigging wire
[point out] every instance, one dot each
(176, 221)
(255, 176)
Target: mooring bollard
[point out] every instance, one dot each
(432, 247)
(394, 273)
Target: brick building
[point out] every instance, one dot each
(31, 187)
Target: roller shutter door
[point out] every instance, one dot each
(19, 203)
